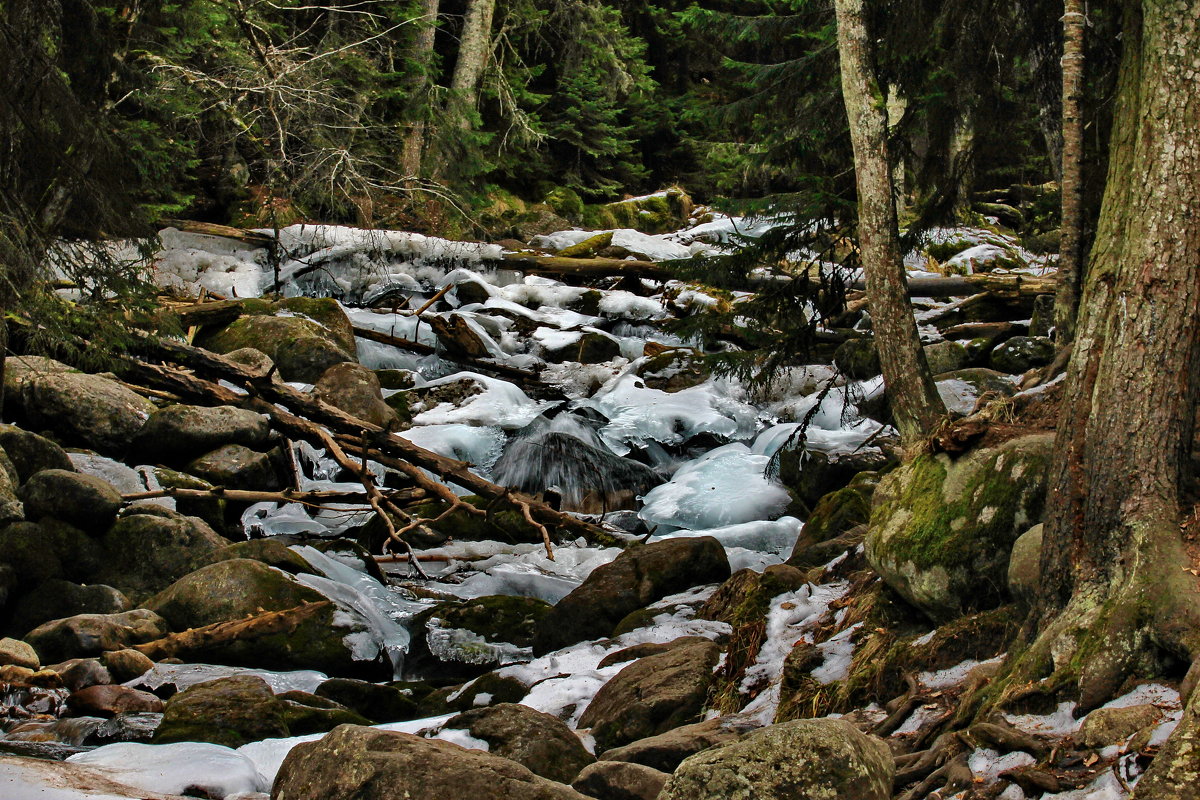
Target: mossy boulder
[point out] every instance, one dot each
(24, 547)
(228, 711)
(300, 347)
(178, 433)
(811, 475)
(396, 379)
(31, 453)
(661, 212)
(269, 551)
(84, 501)
(1025, 566)
(1022, 353)
(746, 596)
(533, 739)
(91, 410)
(592, 347)
(858, 358)
(355, 763)
(57, 599)
(210, 509)
(666, 751)
(589, 247)
(327, 313)
(146, 552)
(226, 591)
(653, 694)
(835, 514)
(945, 356)
(815, 759)
(306, 713)
(942, 531)
(620, 780)
(635, 579)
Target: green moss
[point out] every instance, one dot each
(944, 251)
(588, 247)
(566, 202)
(498, 618)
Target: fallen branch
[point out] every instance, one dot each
(587, 267)
(220, 633)
(1007, 286)
(315, 499)
(401, 451)
(223, 231)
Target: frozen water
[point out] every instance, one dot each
(776, 537)
(183, 676)
(176, 768)
(479, 445)
(500, 404)
(638, 415)
(725, 486)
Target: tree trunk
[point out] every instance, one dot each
(413, 149)
(1070, 259)
(916, 405)
(1116, 599)
(474, 49)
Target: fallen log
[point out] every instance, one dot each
(196, 315)
(223, 231)
(595, 267)
(527, 380)
(220, 633)
(1005, 286)
(407, 457)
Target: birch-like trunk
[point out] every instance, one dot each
(916, 406)
(1070, 259)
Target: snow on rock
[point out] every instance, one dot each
(638, 415)
(986, 765)
(478, 445)
(725, 486)
(177, 768)
(522, 570)
(500, 404)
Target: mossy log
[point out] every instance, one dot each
(268, 624)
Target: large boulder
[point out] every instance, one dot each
(635, 579)
(230, 711)
(942, 531)
(109, 700)
(355, 389)
(356, 763)
(57, 599)
(539, 741)
(146, 552)
(653, 694)
(84, 501)
(302, 348)
(31, 453)
(1022, 353)
(811, 759)
(11, 507)
(178, 433)
(226, 591)
(86, 635)
(89, 409)
(18, 653)
(378, 703)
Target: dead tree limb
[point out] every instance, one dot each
(316, 499)
(1007, 286)
(587, 267)
(221, 633)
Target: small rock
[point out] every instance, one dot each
(235, 466)
(1022, 353)
(620, 780)
(376, 703)
(81, 673)
(127, 664)
(108, 701)
(85, 501)
(31, 453)
(306, 713)
(57, 599)
(1108, 726)
(355, 389)
(1025, 565)
(945, 356)
(667, 751)
(18, 653)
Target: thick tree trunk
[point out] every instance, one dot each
(413, 149)
(1070, 259)
(916, 405)
(474, 50)
(1116, 597)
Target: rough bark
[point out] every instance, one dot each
(1116, 599)
(474, 50)
(1070, 259)
(412, 151)
(916, 405)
